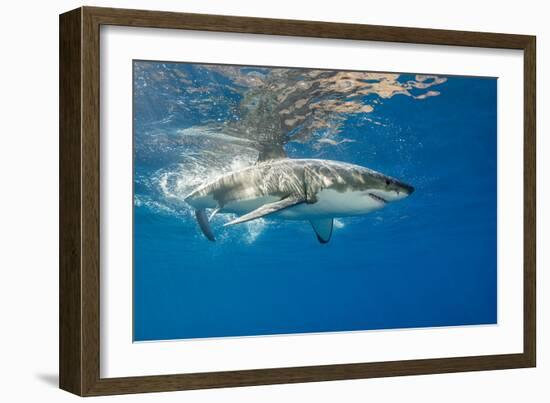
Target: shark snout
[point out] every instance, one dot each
(407, 189)
(403, 190)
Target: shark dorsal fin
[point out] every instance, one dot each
(323, 228)
(267, 209)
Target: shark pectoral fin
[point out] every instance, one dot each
(202, 219)
(267, 209)
(322, 228)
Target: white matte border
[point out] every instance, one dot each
(120, 357)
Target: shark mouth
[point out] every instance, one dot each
(378, 198)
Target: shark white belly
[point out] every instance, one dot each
(330, 204)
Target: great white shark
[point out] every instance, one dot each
(313, 190)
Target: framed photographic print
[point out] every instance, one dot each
(249, 201)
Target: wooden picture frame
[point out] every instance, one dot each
(79, 279)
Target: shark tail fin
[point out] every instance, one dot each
(323, 228)
(204, 225)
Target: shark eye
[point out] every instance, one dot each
(387, 182)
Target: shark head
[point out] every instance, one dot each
(357, 190)
(387, 189)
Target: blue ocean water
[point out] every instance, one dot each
(428, 260)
